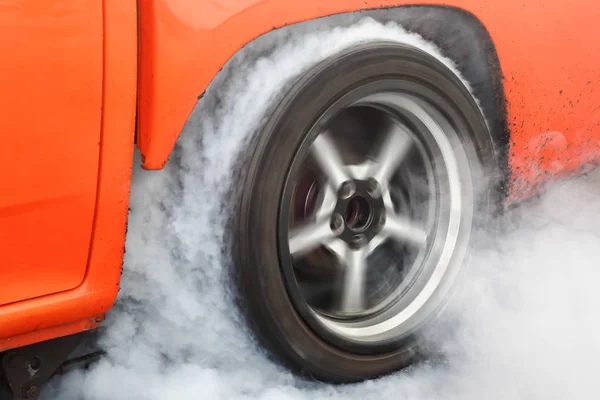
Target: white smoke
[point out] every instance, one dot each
(528, 312)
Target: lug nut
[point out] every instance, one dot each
(337, 223)
(358, 241)
(347, 190)
(374, 188)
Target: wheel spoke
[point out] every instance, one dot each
(329, 160)
(327, 205)
(338, 248)
(394, 148)
(377, 241)
(404, 230)
(354, 284)
(307, 237)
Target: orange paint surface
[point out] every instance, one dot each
(51, 332)
(50, 109)
(544, 47)
(67, 112)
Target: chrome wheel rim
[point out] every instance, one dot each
(407, 195)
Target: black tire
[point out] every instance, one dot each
(266, 167)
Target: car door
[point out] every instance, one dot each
(50, 113)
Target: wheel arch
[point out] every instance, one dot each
(166, 102)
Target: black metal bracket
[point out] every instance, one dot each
(27, 369)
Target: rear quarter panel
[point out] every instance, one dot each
(546, 50)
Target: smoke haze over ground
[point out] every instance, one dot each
(528, 312)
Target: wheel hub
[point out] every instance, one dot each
(359, 213)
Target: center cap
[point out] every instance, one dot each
(360, 207)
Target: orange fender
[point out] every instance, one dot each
(551, 72)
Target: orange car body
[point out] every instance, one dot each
(83, 82)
